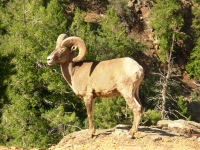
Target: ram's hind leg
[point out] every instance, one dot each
(137, 111)
(134, 104)
(89, 103)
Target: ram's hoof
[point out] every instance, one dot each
(91, 133)
(130, 135)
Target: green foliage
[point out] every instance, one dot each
(151, 117)
(109, 41)
(195, 20)
(22, 125)
(112, 39)
(32, 89)
(183, 108)
(148, 90)
(84, 30)
(6, 69)
(60, 120)
(166, 21)
(182, 105)
(194, 61)
(108, 112)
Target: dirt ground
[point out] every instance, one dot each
(148, 138)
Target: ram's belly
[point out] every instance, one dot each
(102, 87)
(96, 91)
(106, 92)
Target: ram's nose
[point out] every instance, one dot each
(49, 60)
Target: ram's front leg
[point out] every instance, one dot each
(89, 103)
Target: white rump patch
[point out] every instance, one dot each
(131, 67)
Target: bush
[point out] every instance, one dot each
(183, 108)
(151, 117)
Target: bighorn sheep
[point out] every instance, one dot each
(91, 79)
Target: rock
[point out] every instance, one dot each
(180, 126)
(164, 123)
(121, 130)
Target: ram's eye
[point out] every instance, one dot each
(73, 48)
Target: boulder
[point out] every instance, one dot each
(189, 128)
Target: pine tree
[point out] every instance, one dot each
(194, 61)
(34, 90)
(167, 23)
(112, 39)
(84, 30)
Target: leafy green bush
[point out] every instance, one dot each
(183, 108)
(151, 117)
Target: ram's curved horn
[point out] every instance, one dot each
(60, 38)
(75, 41)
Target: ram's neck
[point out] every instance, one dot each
(67, 71)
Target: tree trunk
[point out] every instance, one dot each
(167, 77)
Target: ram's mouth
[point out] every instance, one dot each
(50, 61)
(50, 64)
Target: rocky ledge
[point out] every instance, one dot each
(167, 135)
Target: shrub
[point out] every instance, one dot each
(151, 117)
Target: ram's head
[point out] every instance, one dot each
(65, 50)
